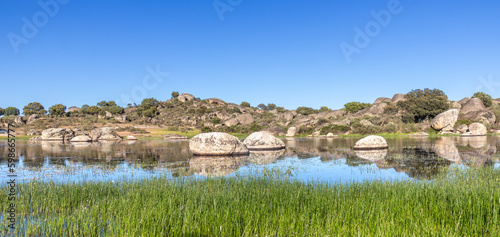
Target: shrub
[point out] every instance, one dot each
(485, 98)
(424, 104)
(464, 121)
(115, 109)
(245, 104)
(216, 120)
(235, 111)
(335, 129)
(175, 94)
(2, 111)
(206, 129)
(11, 111)
(34, 108)
(92, 110)
(324, 109)
(322, 121)
(148, 107)
(306, 110)
(57, 110)
(391, 109)
(262, 106)
(353, 107)
(271, 106)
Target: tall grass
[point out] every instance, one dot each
(466, 202)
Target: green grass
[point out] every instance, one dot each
(465, 203)
(19, 138)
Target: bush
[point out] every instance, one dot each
(175, 94)
(391, 109)
(216, 120)
(148, 108)
(2, 111)
(485, 98)
(262, 106)
(423, 104)
(353, 107)
(206, 129)
(235, 111)
(335, 129)
(306, 110)
(245, 104)
(57, 110)
(92, 110)
(271, 106)
(34, 108)
(115, 109)
(464, 121)
(11, 111)
(324, 109)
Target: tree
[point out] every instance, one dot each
(422, 104)
(84, 108)
(148, 107)
(324, 109)
(2, 111)
(271, 106)
(485, 98)
(57, 110)
(306, 110)
(11, 111)
(262, 106)
(353, 107)
(93, 110)
(102, 104)
(175, 94)
(115, 109)
(34, 108)
(245, 104)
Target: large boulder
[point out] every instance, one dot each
(483, 116)
(382, 100)
(216, 144)
(291, 131)
(464, 100)
(263, 141)
(366, 123)
(121, 118)
(18, 120)
(185, 97)
(473, 105)
(215, 101)
(398, 97)
(376, 109)
(81, 138)
(476, 129)
(444, 119)
(242, 119)
(462, 128)
(104, 134)
(333, 113)
(56, 134)
(73, 109)
(371, 142)
(32, 118)
(287, 116)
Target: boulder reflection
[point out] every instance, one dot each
(216, 166)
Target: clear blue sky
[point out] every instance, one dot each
(283, 52)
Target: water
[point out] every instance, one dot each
(313, 159)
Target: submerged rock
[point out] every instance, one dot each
(263, 141)
(216, 144)
(371, 142)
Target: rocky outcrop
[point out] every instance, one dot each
(462, 128)
(32, 118)
(81, 138)
(174, 137)
(18, 120)
(185, 97)
(331, 114)
(464, 100)
(371, 142)
(455, 105)
(445, 119)
(263, 141)
(104, 134)
(398, 97)
(55, 134)
(216, 144)
(291, 131)
(287, 116)
(382, 100)
(215, 101)
(483, 116)
(73, 109)
(473, 105)
(376, 108)
(365, 122)
(476, 129)
(121, 118)
(242, 119)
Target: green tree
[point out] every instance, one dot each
(57, 110)
(306, 110)
(148, 107)
(422, 104)
(245, 104)
(485, 98)
(262, 106)
(102, 104)
(34, 108)
(271, 106)
(115, 109)
(2, 111)
(324, 109)
(84, 108)
(353, 107)
(11, 111)
(175, 94)
(92, 110)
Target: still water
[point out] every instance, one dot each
(308, 159)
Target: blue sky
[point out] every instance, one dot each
(283, 52)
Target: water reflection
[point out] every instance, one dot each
(323, 158)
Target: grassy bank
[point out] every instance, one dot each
(463, 205)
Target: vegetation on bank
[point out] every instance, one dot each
(466, 202)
